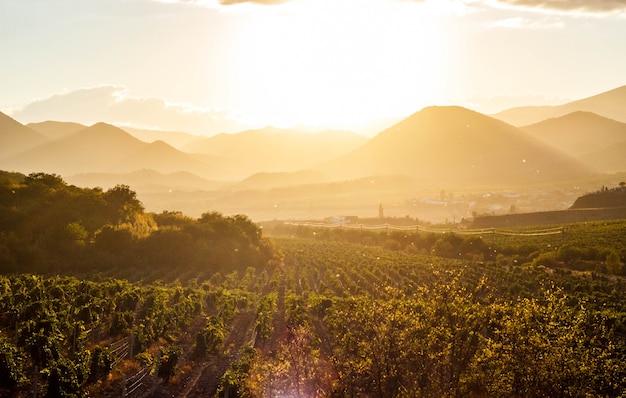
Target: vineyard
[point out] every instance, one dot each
(220, 307)
(335, 319)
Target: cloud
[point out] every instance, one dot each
(585, 6)
(490, 105)
(556, 6)
(261, 2)
(219, 3)
(525, 23)
(114, 104)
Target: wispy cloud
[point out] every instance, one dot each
(219, 3)
(115, 105)
(261, 2)
(568, 6)
(550, 6)
(526, 23)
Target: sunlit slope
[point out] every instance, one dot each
(177, 139)
(610, 104)
(454, 145)
(15, 137)
(55, 130)
(144, 181)
(103, 148)
(94, 148)
(277, 150)
(611, 159)
(265, 180)
(586, 136)
(163, 158)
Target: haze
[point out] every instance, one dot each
(207, 66)
(281, 109)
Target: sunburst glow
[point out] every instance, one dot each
(338, 61)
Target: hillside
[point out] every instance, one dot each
(94, 148)
(15, 137)
(457, 146)
(145, 181)
(281, 179)
(55, 130)
(177, 139)
(579, 133)
(277, 150)
(604, 198)
(610, 159)
(610, 104)
(106, 148)
(164, 158)
(597, 141)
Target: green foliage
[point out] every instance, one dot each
(167, 362)
(101, 364)
(614, 263)
(234, 381)
(66, 378)
(210, 338)
(56, 318)
(51, 227)
(11, 372)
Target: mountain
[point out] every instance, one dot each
(55, 130)
(281, 179)
(586, 136)
(608, 160)
(277, 150)
(144, 181)
(104, 148)
(175, 138)
(94, 148)
(15, 137)
(164, 158)
(456, 146)
(610, 104)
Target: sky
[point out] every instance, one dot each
(211, 66)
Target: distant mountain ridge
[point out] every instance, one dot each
(103, 148)
(54, 130)
(610, 104)
(15, 137)
(275, 172)
(273, 149)
(70, 148)
(596, 140)
(455, 145)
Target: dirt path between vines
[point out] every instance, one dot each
(206, 381)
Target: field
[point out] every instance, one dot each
(341, 314)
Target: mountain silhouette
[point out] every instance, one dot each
(608, 160)
(94, 148)
(610, 104)
(177, 139)
(274, 149)
(586, 136)
(55, 130)
(144, 180)
(265, 180)
(454, 145)
(164, 158)
(103, 148)
(16, 138)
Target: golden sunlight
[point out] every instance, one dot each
(338, 62)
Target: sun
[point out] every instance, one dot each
(338, 62)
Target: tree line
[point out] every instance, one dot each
(49, 226)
